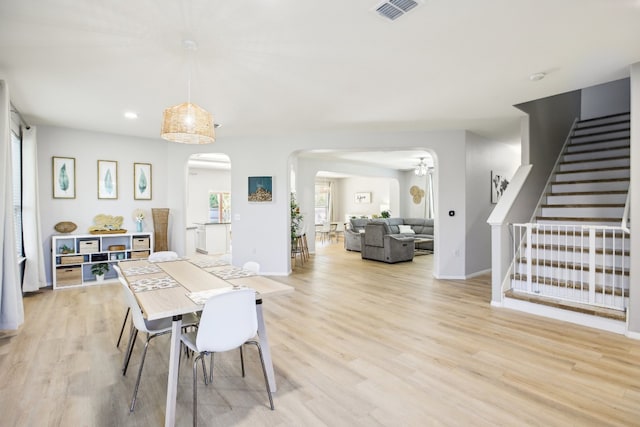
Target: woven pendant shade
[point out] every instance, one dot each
(187, 123)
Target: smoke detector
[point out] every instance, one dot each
(393, 9)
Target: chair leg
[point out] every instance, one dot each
(241, 361)
(195, 388)
(144, 355)
(210, 368)
(264, 371)
(299, 249)
(135, 390)
(124, 322)
(204, 369)
(305, 247)
(127, 357)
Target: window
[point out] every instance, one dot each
(16, 168)
(322, 203)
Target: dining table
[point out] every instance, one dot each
(172, 289)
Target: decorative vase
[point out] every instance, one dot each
(99, 277)
(160, 228)
(139, 226)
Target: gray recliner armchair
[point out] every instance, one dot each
(352, 239)
(379, 245)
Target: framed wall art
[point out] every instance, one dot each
(107, 179)
(499, 184)
(363, 197)
(64, 177)
(142, 181)
(260, 189)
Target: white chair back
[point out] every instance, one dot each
(252, 266)
(132, 302)
(227, 321)
(163, 256)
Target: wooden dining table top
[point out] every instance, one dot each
(190, 277)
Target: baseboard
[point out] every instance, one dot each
(465, 277)
(478, 273)
(633, 335)
(449, 277)
(582, 319)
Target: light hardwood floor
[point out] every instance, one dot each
(360, 343)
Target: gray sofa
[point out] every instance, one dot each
(377, 244)
(421, 227)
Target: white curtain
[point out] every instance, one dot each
(34, 275)
(11, 309)
(330, 202)
(429, 199)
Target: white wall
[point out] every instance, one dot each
(201, 183)
(605, 99)
(384, 191)
(87, 148)
(260, 230)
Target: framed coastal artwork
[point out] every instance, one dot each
(107, 179)
(499, 183)
(260, 189)
(64, 177)
(142, 181)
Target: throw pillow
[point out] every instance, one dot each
(406, 229)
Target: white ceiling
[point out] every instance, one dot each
(273, 67)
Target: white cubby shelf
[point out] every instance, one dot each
(72, 255)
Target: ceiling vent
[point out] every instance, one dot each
(393, 9)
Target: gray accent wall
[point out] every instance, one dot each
(605, 99)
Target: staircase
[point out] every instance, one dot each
(575, 252)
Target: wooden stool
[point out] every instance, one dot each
(296, 248)
(304, 247)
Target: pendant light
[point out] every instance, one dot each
(188, 123)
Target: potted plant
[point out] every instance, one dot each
(99, 270)
(296, 218)
(64, 249)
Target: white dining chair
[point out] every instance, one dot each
(325, 232)
(162, 256)
(229, 320)
(252, 266)
(152, 328)
(154, 257)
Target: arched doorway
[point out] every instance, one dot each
(208, 211)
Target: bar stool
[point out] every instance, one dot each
(296, 249)
(304, 246)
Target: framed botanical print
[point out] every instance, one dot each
(107, 179)
(142, 181)
(64, 177)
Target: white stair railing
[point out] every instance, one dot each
(587, 264)
(626, 215)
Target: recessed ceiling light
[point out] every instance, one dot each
(537, 76)
(130, 115)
